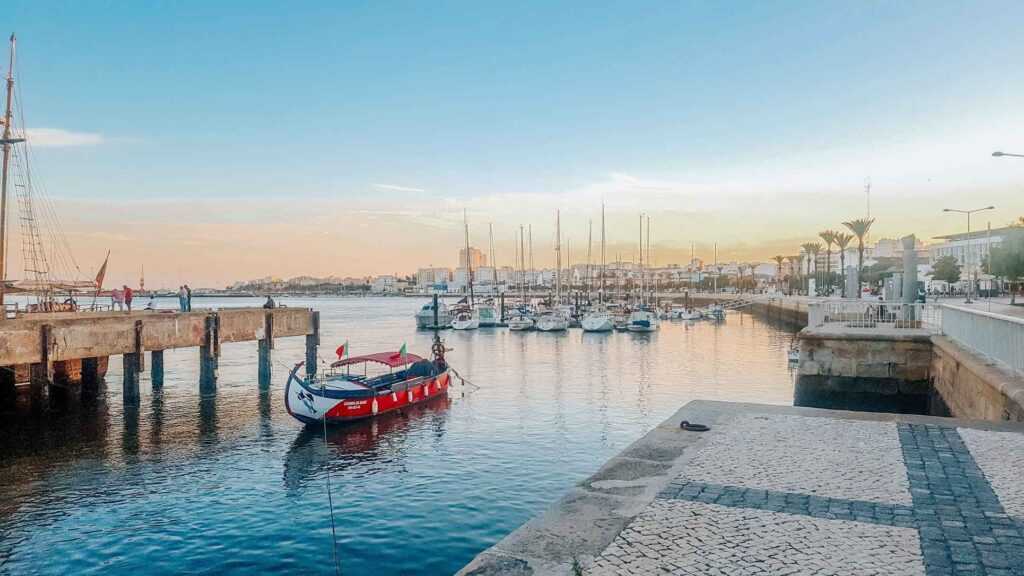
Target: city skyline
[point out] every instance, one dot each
(754, 130)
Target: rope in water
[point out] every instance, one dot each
(330, 499)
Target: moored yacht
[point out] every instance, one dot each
(520, 322)
(552, 321)
(487, 314)
(425, 316)
(598, 320)
(466, 319)
(643, 320)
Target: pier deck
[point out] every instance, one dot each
(781, 490)
(40, 341)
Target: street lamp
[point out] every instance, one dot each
(970, 282)
(998, 154)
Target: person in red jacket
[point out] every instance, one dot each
(128, 297)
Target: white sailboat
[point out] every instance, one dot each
(520, 320)
(467, 317)
(599, 319)
(644, 319)
(555, 320)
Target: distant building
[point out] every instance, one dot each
(971, 250)
(427, 277)
(477, 259)
(384, 285)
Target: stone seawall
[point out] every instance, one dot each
(788, 311)
(879, 373)
(974, 386)
(904, 371)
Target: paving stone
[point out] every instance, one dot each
(844, 459)
(703, 538)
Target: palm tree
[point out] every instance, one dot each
(794, 265)
(829, 236)
(778, 261)
(860, 228)
(842, 240)
(811, 249)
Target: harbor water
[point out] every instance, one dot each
(233, 485)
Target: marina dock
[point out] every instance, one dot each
(781, 490)
(40, 342)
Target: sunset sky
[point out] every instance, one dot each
(219, 141)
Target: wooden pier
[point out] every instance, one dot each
(43, 341)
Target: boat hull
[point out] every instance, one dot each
(307, 404)
(597, 324)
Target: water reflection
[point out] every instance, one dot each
(95, 485)
(380, 440)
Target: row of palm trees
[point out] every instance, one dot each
(858, 228)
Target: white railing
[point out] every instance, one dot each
(998, 336)
(871, 314)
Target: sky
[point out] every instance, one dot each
(218, 141)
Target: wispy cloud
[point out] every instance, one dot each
(59, 138)
(397, 188)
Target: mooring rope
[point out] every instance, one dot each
(330, 498)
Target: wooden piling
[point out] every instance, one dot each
(209, 354)
(156, 367)
(266, 344)
(312, 341)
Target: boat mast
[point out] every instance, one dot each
(649, 265)
(558, 257)
(590, 247)
(7, 141)
(600, 298)
(469, 259)
(530, 279)
(640, 260)
(490, 233)
(522, 267)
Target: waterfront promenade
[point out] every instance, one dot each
(779, 490)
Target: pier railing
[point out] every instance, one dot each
(870, 314)
(995, 335)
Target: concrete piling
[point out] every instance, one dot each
(90, 373)
(266, 344)
(132, 367)
(156, 367)
(209, 354)
(312, 342)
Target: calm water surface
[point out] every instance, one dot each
(233, 485)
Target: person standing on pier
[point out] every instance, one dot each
(188, 298)
(128, 297)
(181, 298)
(117, 299)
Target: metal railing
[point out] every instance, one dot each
(995, 335)
(870, 314)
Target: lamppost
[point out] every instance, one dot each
(967, 251)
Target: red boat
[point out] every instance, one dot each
(366, 386)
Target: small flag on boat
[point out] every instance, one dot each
(401, 353)
(342, 350)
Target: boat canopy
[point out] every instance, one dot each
(392, 359)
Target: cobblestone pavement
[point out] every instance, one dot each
(802, 495)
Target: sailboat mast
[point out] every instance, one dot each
(7, 141)
(490, 233)
(530, 277)
(590, 247)
(522, 267)
(469, 259)
(601, 297)
(558, 257)
(649, 265)
(640, 259)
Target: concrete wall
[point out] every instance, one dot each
(887, 373)
(974, 386)
(918, 373)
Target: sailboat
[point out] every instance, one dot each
(467, 316)
(520, 320)
(599, 319)
(52, 278)
(556, 319)
(643, 319)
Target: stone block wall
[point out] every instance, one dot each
(974, 386)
